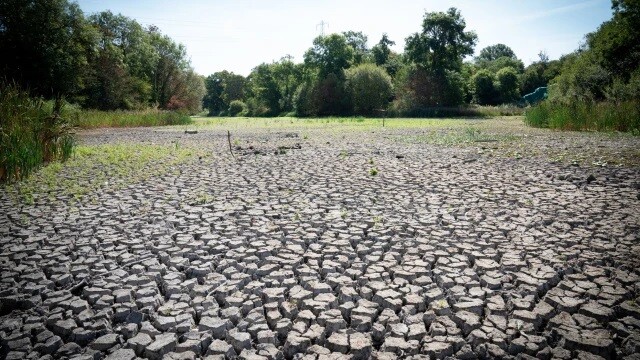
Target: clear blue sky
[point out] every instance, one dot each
(237, 35)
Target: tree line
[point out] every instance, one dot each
(103, 61)
(341, 75)
(108, 61)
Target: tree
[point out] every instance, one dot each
(484, 89)
(330, 55)
(508, 85)
(234, 88)
(121, 73)
(494, 52)
(172, 60)
(384, 57)
(616, 43)
(369, 87)
(46, 45)
(437, 53)
(538, 74)
(443, 43)
(358, 41)
(187, 91)
(382, 50)
(130, 39)
(582, 79)
(288, 76)
(214, 87)
(264, 92)
(500, 63)
(421, 88)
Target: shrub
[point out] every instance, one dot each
(369, 87)
(508, 85)
(237, 108)
(484, 89)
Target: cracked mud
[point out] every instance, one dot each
(295, 249)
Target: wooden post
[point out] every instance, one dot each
(229, 140)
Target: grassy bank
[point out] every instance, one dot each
(459, 111)
(602, 116)
(32, 132)
(89, 119)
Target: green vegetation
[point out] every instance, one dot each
(32, 132)
(598, 86)
(600, 116)
(88, 119)
(103, 61)
(103, 167)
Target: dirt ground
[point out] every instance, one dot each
(326, 239)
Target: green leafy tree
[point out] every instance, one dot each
(382, 50)
(121, 73)
(288, 76)
(214, 86)
(616, 44)
(538, 74)
(304, 100)
(508, 85)
(437, 53)
(235, 86)
(494, 52)
(172, 61)
(442, 43)
(132, 41)
(330, 55)
(485, 92)
(264, 92)
(582, 79)
(46, 45)
(500, 63)
(369, 87)
(358, 41)
(386, 58)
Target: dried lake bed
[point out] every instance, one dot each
(326, 239)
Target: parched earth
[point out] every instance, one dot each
(315, 244)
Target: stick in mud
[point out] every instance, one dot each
(229, 140)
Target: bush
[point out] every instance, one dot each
(369, 87)
(508, 85)
(32, 132)
(237, 108)
(484, 90)
(304, 102)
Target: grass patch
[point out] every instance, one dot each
(32, 132)
(341, 123)
(458, 136)
(582, 116)
(96, 169)
(89, 119)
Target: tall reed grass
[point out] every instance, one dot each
(458, 111)
(581, 116)
(32, 132)
(89, 119)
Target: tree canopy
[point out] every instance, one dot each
(443, 42)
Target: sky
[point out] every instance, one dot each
(237, 35)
